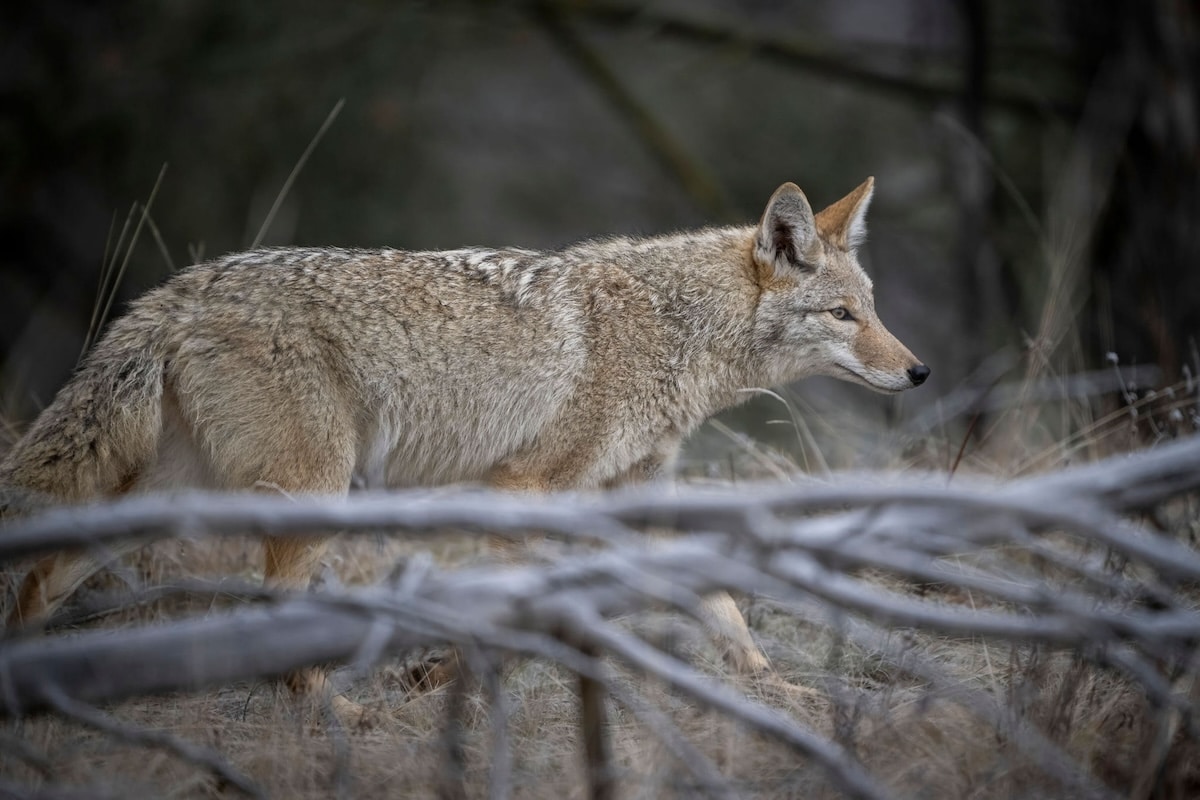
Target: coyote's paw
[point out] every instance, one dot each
(732, 636)
(748, 660)
(355, 716)
(431, 673)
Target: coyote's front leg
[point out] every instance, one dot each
(718, 610)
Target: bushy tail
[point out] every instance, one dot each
(101, 429)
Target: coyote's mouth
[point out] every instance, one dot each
(855, 377)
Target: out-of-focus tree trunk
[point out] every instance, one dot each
(975, 184)
(1145, 298)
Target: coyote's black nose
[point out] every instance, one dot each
(918, 374)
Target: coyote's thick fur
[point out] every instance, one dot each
(304, 369)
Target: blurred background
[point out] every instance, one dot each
(1036, 165)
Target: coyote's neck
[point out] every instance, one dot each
(702, 286)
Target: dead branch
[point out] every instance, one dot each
(795, 54)
(1083, 500)
(136, 734)
(761, 540)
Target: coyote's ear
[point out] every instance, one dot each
(787, 233)
(844, 223)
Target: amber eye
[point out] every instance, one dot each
(841, 313)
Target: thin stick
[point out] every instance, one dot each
(593, 724)
(162, 245)
(129, 251)
(454, 764)
(850, 775)
(193, 754)
(500, 773)
(291, 178)
(106, 269)
(664, 147)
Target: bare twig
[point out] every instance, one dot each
(793, 53)
(191, 753)
(878, 640)
(291, 178)
(105, 303)
(1027, 550)
(664, 147)
(1082, 499)
(850, 776)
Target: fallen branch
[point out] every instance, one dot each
(761, 539)
(136, 734)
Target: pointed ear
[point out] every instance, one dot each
(844, 223)
(787, 232)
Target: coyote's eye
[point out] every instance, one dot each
(841, 313)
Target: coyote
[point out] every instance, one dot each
(308, 369)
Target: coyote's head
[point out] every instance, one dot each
(816, 312)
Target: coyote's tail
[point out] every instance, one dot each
(102, 428)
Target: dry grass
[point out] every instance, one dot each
(869, 689)
(908, 728)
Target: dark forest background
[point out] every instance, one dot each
(1036, 161)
